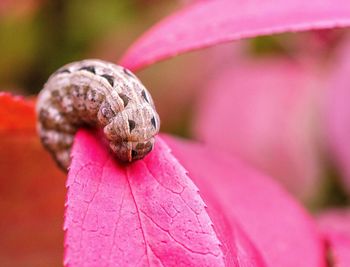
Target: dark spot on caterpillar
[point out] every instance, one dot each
(145, 147)
(109, 78)
(125, 99)
(127, 72)
(55, 93)
(148, 146)
(140, 146)
(153, 121)
(56, 96)
(89, 68)
(63, 71)
(43, 115)
(75, 90)
(144, 95)
(132, 125)
(133, 153)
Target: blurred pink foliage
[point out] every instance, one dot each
(335, 227)
(264, 110)
(338, 112)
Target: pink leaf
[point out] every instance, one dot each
(280, 228)
(338, 113)
(207, 23)
(145, 214)
(264, 111)
(335, 226)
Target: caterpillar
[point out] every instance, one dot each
(99, 94)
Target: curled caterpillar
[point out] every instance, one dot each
(96, 93)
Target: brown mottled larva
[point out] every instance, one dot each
(98, 94)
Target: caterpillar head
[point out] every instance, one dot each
(131, 132)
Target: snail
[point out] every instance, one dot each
(99, 94)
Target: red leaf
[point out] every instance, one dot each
(31, 190)
(147, 213)
(207, 23)
(280, 228)
(16, 113)
(335, 226)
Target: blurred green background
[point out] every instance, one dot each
(38, 36)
